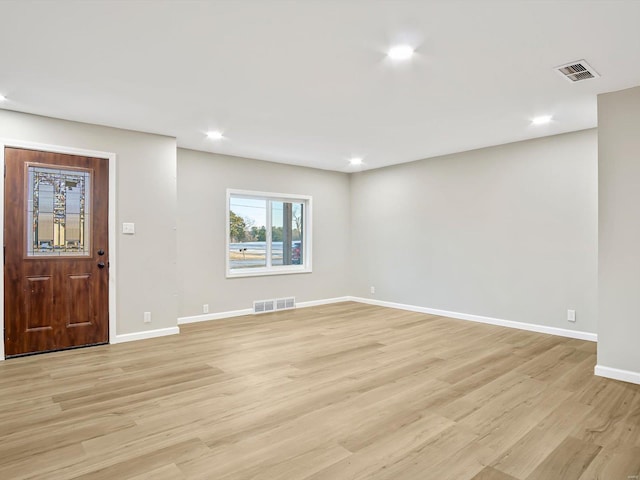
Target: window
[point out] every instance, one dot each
(58, 211)
(267, 233)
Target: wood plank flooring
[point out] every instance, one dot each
(342, 391)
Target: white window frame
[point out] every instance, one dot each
(269, 269)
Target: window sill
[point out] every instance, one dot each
(264, 272)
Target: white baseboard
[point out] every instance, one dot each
(592, 337)
(326, 301)
(160, 332)
(214, 316)
(617, 374)
(248, 311)
(532, 327)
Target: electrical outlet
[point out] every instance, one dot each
(571, 315)
(373, 290)
(147, 317)
(205, 308)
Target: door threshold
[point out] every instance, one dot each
(30, 354)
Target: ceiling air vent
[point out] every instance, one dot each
(577, 71)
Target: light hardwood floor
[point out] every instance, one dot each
(343, 391)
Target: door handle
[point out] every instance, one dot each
(100, 264)
(101, 252)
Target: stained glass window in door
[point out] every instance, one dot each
(58, 211)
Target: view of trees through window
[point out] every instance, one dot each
(265, 232)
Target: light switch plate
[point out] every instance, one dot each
(129, 228)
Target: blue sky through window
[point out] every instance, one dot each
(256, 210)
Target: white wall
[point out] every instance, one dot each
(619, 256)
(508, 232)
(146, 195)
(203, 179)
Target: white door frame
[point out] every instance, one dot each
(112, 222)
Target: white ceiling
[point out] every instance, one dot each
(308, 82)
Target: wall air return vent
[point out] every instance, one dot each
(577, 71)
(263, 306)
(285, 303)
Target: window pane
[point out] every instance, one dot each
(58, 211)
(286, 233)
(267, 234)
(247, 233)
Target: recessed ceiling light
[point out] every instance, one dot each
(400, 52)
(355, 161)
(541, 120)
(215, 135)
(2, 98)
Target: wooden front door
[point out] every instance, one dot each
(56, 258)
